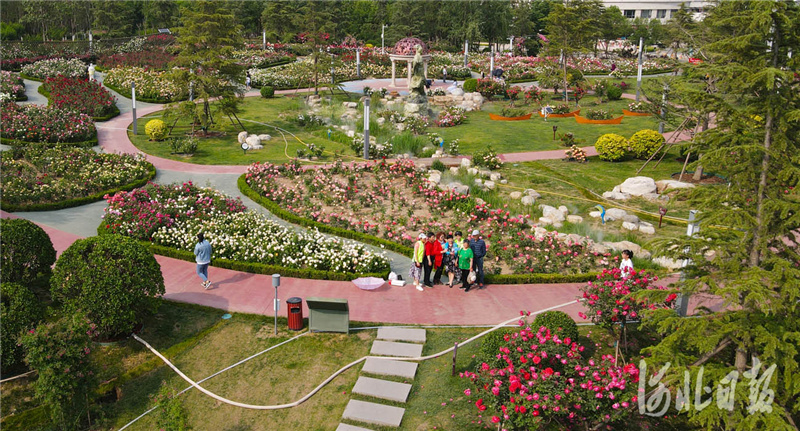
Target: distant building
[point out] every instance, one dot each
(658, 9)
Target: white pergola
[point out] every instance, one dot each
(404, 50)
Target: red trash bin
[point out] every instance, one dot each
(294, 307)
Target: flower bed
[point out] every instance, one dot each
(81, 95)
(584, 120)
(33, 123)
(11, 84)
(392, 203)
(527, 68)
(44, 179)
(568, 114)
(42, 69)
(171, 216)
(151, 85)
(451, 116)
(153, 59)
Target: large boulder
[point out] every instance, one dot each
(532, 192)
(459, 188)
(574, 219)
(617, 196)
(515, 195)
(629, 226)
(664, 185)
(615, 214)
(455, 91)
(466, 163)
(637, 250)
(552, 213)
(242, 136)
(494, 176)
(528, 200)
(254, 142)
(489, 185)
(638, 186)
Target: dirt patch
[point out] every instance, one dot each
(705, 180)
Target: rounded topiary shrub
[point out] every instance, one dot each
(611, 147)
(156, 130)
(490, 348)
(113, 279)
(470, 85)
(557, 322)
(613, 92)
(267, 91)
(19, 312)
(26, 250)
(645, 142)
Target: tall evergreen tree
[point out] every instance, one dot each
(278, 19)
(572, 27)
(745, 253)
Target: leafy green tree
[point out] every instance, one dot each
(159, 14)
(680, 31)
(278, 20)
(113, 279)
(651, 30)
(208, 37)
(26, 250)
(613, 25)
(117, 18)
(20, 311)
(314, 19)
(744, 254)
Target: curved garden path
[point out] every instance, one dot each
(252, 293)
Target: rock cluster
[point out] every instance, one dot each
(644, 187)
(254, 142)
(629, 221)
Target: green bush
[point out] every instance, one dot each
(613, 92)
(487, 158)
(611, 147)
(171, 415)
(470, 85)
(557, 322)
(156, 130)
(267, 91)
(112, 278)
(19, 312)
(437, 165)
(490, 348)
(645, 142)
(26, 251)
(183, 145)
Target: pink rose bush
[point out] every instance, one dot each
(543, 379)
(10, 83)
(34, 123)
(451, 116)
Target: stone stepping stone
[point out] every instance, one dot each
(345, 427)
(413, 335)
(372, 413)
(391, 348)
(384, 389)
(390, 367)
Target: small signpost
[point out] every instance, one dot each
(662, 212)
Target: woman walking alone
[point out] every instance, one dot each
(415, 273)
(202, 253)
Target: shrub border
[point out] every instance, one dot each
(20, 143)
(127, 94)
(74, 202)
(114, 110)
(276, 209)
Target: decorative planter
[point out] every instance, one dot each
(584, 120)
(635, 114)
(568, 114)
(501, 118)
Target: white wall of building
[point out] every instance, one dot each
(660, 9)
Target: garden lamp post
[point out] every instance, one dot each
(663, 109)
(358, 62)
(682, 302)
(639, 72)
(133, 100)
(263, 40)
(276, 281)
(554, 132)
(383, 27)
(466, 52)
(366, 128)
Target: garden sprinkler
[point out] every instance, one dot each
(602, 213)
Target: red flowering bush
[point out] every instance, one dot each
(533, 94)
(80, 95)
(34, 123)
(489, 87)
(608, 300)
(513, 93)
(153, 59)
(545, 380)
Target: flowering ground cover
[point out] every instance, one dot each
(395, 202)
(80, 95)
(152, 59)
(527, 68)
(11, 84)
(151, 85)
(172, 215)
(34, 123)
(37, 177)
(42, 69)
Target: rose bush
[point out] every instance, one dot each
(80, 95)
(34, 123)
(157, 86)
(451, 116)
(11, 83)
(42, 69)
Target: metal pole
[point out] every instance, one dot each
(663, 109)
(682, 302)
(366, 128)
(491, 62)
(263, 40)
(383, 27)
(90, 40)
(358, 62)
(333, 80)
(276, 281)
(455, 352)
(466, 52)
(133, 99)
(639, 73)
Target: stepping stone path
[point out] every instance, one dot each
(398, 342)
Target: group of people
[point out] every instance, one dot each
(461, 258)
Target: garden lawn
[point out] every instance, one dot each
(226, 150)
(536, 134)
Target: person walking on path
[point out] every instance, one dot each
(202, 253)
(444, 74)
(451, 249)
(478, 247)
(465, 262)
(430, 257)
(627, 264)
(438, 253)
(416, 261)
(247, 81)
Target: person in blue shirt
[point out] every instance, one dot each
(202, 253)
(478, 247)
(451, 249)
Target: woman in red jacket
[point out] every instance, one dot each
(438, 263)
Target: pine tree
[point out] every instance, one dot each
(746, 252)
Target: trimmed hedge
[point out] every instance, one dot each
(127, 94)
(558, 322)
(253, 267)
(539, 278)
(19, 143)
(69, 203)
(30, 78)
(322, 227)
(114, 110)
(26, 250)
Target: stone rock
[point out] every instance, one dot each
(552, 213)
(595, 214)
(472, 171)
(515, 195)
(456, 91)
(264, 137)
(528, 200)
(460, 188)
(254, 142)
(629, 226)
(664, 185)
(637, 250)
(574, 219)
(617, 196)
(478, 181)
(540, 232)
(435, 177)
(480, 201)
(489, 185)
(242, 137)
(644, 223)
(350, 133)
(485, 172)
(503, 181)
(532, 192)
(546, 220)
(380, 121)
(630, 218)
(495, 176)
(638, 186)
(667, 262)
(564, 210)
(400, 126)
(454, 170)
(653, 196)
(465, 163)
(598, 248)
(615, 214)
(350, 105)
(650, 230)
(576, 239)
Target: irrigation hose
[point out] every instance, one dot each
(332, 376)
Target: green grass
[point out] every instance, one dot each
(225, 150)
(536, 134)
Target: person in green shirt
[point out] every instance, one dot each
(465, 256)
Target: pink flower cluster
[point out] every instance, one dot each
(607, 298)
